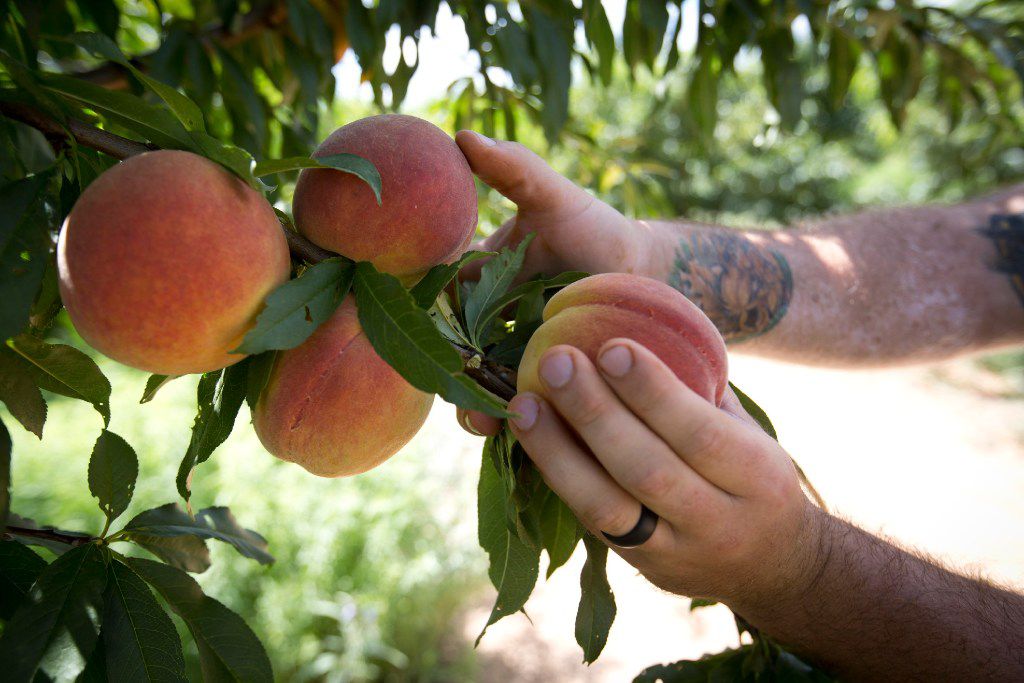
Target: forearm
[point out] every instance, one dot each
(892, 286)
(875, 612)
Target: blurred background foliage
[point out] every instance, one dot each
(374, 573)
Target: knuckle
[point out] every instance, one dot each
(706, 438)
(654, 483)
(651, 397)
(584, 409)
(611, 519)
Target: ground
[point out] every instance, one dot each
(931, 456)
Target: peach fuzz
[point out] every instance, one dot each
(334, 406)
(595, 309)
(165, 261)
(428, 208)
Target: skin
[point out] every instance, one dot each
(428, 207)
(165, 261)
(878, 288)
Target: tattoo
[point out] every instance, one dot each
(1007, 234)
(743, 288)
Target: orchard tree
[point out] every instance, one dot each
(180, 260)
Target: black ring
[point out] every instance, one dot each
(639, 534)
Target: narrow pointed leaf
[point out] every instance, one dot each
(347, 163)
(154, 384)
(437, 278)
(187, 552)
(24, 250)
(65, 370)
(597, 604)
(19, 392)
(19, 569)
(559, 531)
(496, 277)
(5, 473)
(216, 523)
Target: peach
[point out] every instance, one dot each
(428, 205)
(165, 260)
(593, 310)
(334, 406)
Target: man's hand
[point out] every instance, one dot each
(734, 523)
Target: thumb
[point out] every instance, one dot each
(516, 172)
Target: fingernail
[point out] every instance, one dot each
(556, 370)
(486, 140)
(467, 423)
(526, 409)
(616, 361)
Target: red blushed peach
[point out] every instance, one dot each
(165, 261)
(428, 205)
(334, 406)
(593, 310)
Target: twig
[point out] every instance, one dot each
(495, 378)
(50, 535)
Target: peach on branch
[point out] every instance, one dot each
(165, 260)
(334, 406)
(428, 207)
(595, 309)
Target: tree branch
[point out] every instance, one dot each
(115, 76)
(495, 378)
(50, 535)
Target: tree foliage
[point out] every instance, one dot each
(85, 83)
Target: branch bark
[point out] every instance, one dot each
(495, 378)
(49, 535)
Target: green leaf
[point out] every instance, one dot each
(496, 277)
(186, 551)
(597, 604)
(113, 471)
(23, 250)
(486, 317)
(57, 547)
(600, 37)
(219, 396)
(57, 629)
(697, 603)
(186, 111)
(154, 384)
(348, 163)
(755, 411)
(19, 392)
(295, 309)
(131, 112)
(19, 569)
(140, 639)
(513, 565)
(843, 54)
(67, 371)
(559, 531)
(552, 48)
(404, 335)
(426, 291)
(225, 641)
(782, 75)
(170, 521)
(260, 367)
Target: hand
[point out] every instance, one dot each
(734, 523)
(574, 230)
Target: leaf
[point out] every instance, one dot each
(843, 54)
(19, 392)
(5, 474)
(600, 36)
(496, 277)
(697, 603)
(154, 384)
(597, 604)
(170, 521)
(295, 309)
(403, 335)
(552, 49)
(260, 367)
(348, 163)
(513, 565)
(113, 471)
(57, 629)
(19, 569)
(57, 547)
(559, 531)
(186, 552)
(66, 371)
(219, 396)
(140, 639)
(531, 288)
(23, 250)
(225, 641)
(437, 278)
(755, 411)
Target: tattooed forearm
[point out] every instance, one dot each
(745, 289)
(1007, 234)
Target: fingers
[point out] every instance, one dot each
(598, 501)
(726, 451)
(517, 173)
(478, 424)
(637, 458)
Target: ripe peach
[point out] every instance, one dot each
(165, 261)
(427, 214)
(334, 406)
(593, 310)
